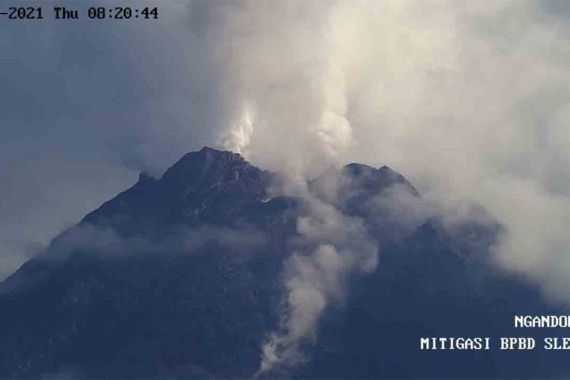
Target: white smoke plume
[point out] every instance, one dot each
(469, 99)
(282, 59)
(333, 246)
(238, 137)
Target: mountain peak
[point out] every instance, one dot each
(372, 179)
(206, 162)
(201, 256)
(361, 170)
(356, 169)
(212, 152)
(186, 192)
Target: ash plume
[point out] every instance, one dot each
(331, 248)
(469, 100)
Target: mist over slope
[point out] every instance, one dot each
(469, 99)
(220, 269)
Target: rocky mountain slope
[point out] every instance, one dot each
(182, 277)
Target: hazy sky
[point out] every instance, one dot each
(470, 100)
(85, 105)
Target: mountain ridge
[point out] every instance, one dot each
(184, 277)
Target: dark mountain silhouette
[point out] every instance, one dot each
(181, 277)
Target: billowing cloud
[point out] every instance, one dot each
(468, 99)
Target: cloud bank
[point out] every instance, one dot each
(468, 99)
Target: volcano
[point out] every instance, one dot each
(182, 277)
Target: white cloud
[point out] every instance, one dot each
(468, 99)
